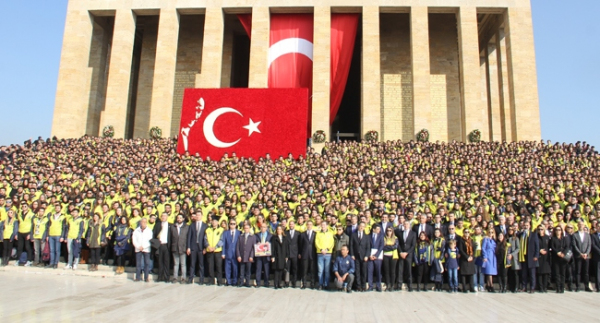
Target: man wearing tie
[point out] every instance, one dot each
(293, 237)
(196, 243)
(422, 226)
(385, 223)
(437, 224)
(229, 241)
(352, 226)
(582, 248)
(245, 255)
(308, 256)
(407, 239)
(263, 263)
(360, 249)
(502, 227)
(161, 232)
(595, 267)
(375, 261)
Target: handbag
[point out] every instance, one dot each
(568, 255)
(46, 252)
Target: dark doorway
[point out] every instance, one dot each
(347, 121)
(236, 54)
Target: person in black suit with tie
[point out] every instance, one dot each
(385, 223)
(407, 239)
(196, 243)
(423, 226)
(245, 255)
(161, 232)
(437, 224)
(308, 256)
(595, 263)
(293, 237)
(352, 227)
(360, 249)
(501, 227)
(375, 259)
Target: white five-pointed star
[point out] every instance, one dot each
(252, 127)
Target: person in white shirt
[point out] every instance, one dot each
(141, 242)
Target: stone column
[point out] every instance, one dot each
(259, 48)
(508, 119)
(475, 116)
(493, 82)
(212, 49)
(146, 80)
(71, 106)
(371, 72)
(163, 87)
(321, 72)
(421, 74)
(119, 73)
(522, 74)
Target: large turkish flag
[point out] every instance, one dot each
(248, 122)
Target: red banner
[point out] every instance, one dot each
(343, 35)
(247, 122)
(291, 53)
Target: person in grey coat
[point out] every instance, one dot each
(582, 248)
(179, 235)
(341, 239)
(512, 257)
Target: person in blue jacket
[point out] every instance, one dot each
(343, 269)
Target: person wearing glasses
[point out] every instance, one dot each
(560, 247)
(214, 252)
(390, 258)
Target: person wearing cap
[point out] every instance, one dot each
(214, 251)
(10, 231)
(25, 222)
(343, 269)
(324, 244)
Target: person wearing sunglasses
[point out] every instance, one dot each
(560, 246)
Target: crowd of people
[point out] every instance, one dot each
(500, 217)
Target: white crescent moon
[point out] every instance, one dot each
(209, 123)
(290, 45)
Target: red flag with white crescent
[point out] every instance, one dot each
(247, 122)
(290, 58)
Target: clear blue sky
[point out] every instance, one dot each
(567, 41)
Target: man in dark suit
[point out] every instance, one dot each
(360, 249)
(179, 235)
(423, 226)
(293, 237)
(245, 255)
(407, 239)
(263, 263)
(229, 240)
(375, 259)
(502, 226)
(595, 264)
(437, 224)
(385, 223)
(452, 235)
(582, 250)
(530, 263)
(162, 233)
(196, 243)
(308, 256)
(352, 226)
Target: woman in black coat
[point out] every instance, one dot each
(544, 270)
(279, 254)
(467, 261)
(560, 245)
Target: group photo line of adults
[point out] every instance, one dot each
(518, 217)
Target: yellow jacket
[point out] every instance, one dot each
(214, 238)
(324, 241)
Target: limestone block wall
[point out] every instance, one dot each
(99, 60)
(146, 76)
(444, 80)
(189, 61)
(396, 77)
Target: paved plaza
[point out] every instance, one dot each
(38, 295)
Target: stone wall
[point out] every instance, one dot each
(189, 61)
(146, 76)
